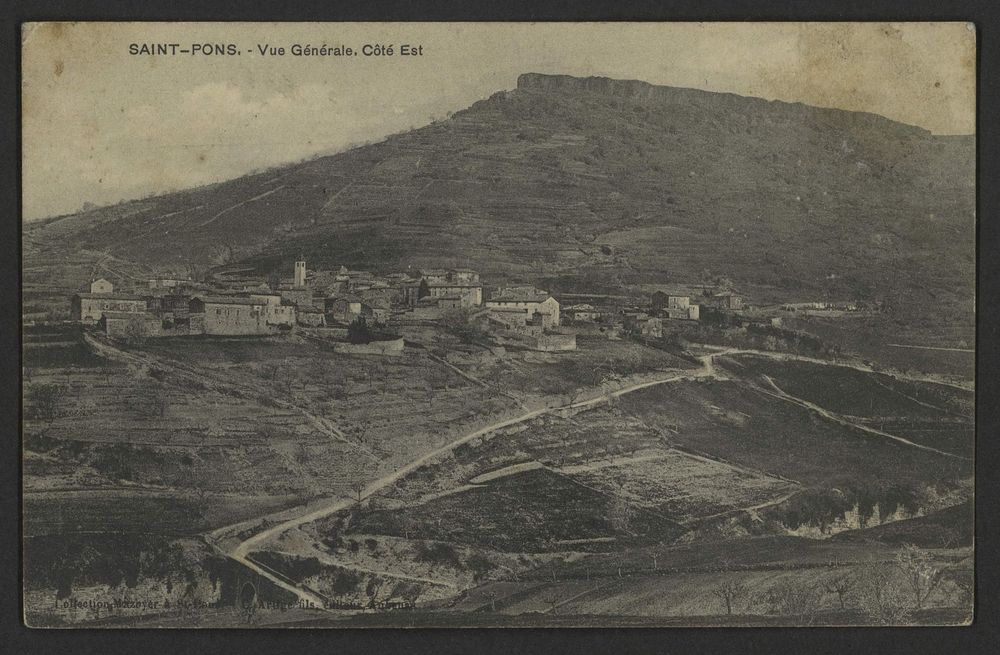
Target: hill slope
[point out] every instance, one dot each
(592, 179)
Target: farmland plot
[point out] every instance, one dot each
(680, 485)
(730, 421)
(533, 511)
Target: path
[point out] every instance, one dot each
(322, 424)
(707, 369)
(857, 366)
(240, 204)
(953, 350)
(240, 552)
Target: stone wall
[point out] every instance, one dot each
(391, 347)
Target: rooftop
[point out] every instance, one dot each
(227, 300)
(144, 315)
(110, 296)
(521, 297)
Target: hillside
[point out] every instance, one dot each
(592, 181)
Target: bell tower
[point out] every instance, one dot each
(300, 272)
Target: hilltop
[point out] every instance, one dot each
(587, 183)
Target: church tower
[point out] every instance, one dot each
(300, 273)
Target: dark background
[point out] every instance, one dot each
(983, 636)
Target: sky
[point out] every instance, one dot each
(101, 125)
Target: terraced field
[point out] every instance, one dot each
(748, 427)
(533, 511)
(681, 485)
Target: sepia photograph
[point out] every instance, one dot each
(505, 325)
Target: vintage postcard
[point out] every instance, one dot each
(498, 324)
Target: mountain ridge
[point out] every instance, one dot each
(588, 181)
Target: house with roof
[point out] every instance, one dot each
(90, 307)
(345, 308)
(530, 303)
(239, 315)
(642, 324)
(725, 300)
(310, 315)
(101, 285)
(582, 312)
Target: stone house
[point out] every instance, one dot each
(582, 312)
(89, 307)
(101, 285)
(235, 315)
(530, 304)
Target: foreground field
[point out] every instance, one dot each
(635, 497)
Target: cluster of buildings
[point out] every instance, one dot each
(181, 307)
(239, 302)
(621, 315)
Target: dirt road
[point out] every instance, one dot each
(240, 552)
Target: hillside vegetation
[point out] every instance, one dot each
(590, 179)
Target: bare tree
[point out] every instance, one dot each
(879, 594)
(375, 585)
(135, 332)
(358, 487)
(795, 598)
(842, 586)
(922, 576)
(730, 594)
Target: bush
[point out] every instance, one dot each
(439, 554)
(43, 401)
(358, 331)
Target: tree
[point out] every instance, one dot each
(345, 582)
(43, 400)
(480, 565)
(358, 487)
(841, 586)
(372, 589)
(794, 598)
(135, 332)
(879, 594)
(731, 593)
(409, 592)
(424, 289)
(922, 576)
(358, 331)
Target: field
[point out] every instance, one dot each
(171, 440)
(534, 511)
(630, 507)
(935, 415)
(768, 576)
(595, 360)
(681, 485)
(745, 426)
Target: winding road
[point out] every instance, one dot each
(241, 551)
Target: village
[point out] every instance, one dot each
(365, 312)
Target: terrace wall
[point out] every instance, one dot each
(390, 347)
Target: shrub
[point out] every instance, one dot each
(439, 554)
